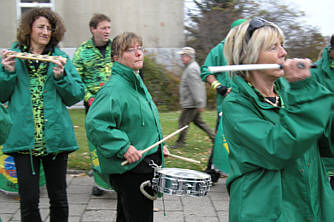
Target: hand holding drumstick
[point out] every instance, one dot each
(58, 70)
(133, 155)
(8, 60)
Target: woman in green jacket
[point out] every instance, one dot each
(37, 93)
(123, 121)
(272, 121)
(324, 73)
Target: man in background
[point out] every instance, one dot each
(92, 60)
(192, 97)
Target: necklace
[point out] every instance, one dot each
(276, 103)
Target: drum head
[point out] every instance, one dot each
(184, 173)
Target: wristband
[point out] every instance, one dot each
(90, 101)
(215, 84)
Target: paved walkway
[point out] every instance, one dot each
(84, 207)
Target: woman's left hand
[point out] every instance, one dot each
(58, 70)
(165, 151)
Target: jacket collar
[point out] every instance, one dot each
(246, 90)
(91, 43)
(127, 73)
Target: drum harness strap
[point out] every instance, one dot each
(155, 167)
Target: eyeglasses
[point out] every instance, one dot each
(254, 24)
(134, 50)
(42, 27)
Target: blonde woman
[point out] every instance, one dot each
(272, 121)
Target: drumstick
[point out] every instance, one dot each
(249, 67)
(184, 158)
(159, 142)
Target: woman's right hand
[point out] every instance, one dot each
(297, 69)
(8, 61)
(132, 154)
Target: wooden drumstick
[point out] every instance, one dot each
(159, 142)
(184, 158)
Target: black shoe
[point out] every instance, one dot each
(215, 175)
(97, 191)
(176, 145)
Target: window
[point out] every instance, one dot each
(25, 5)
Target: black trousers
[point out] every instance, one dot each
(209, 165)
(132, 205)
(55, 176)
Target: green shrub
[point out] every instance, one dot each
(162, 85)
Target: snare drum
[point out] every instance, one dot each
(177, 181)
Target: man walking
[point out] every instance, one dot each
(192, 97)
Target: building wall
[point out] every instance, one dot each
(159, 22)
(8, 22)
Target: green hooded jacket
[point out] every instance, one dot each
(93, 68)
(123, 114)
(325, 75)
(216, 58)
(5, 124)
(66, 91)
(276, 173)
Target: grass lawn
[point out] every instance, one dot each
(198, 143)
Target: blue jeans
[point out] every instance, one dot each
(55, 176)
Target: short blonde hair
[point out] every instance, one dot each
(123, 42)
(239, 49)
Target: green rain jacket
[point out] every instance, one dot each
(5, 124)
(92, 66)
(325, 75)
(276, 174)
(14, 88)
(216, 58)
(123, 114)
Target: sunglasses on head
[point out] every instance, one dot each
(254, 24)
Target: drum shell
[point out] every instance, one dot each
(180, 182)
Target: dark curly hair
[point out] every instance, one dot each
(28, 18)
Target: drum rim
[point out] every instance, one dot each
(202, 175)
